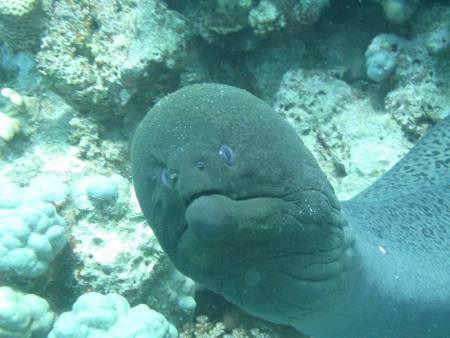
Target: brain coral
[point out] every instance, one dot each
(31, 231)
(110, 316)
(24, 315)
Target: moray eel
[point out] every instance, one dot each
(240, 205)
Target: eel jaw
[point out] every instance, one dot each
(259, 249)
(210, 216)
(217, 227)
(194, 196)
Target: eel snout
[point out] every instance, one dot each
(211, 217)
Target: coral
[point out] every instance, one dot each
(15, 123)
(102, 57)
(85, 135)
(306, 12)
(119, 253)
(102, 189)
(204, 328)
(222, 23)
(416, 107)
(308, 99)
(224, 17)
(438, 40)
(415, 65)
(15, 98)
(319, 107)
(301, 14)
(399, 11)
(433, 26)
(116, 254)
(31, 231)
(47, 189)
(240, 25)
(422, 95)
(16, 103)
(381, 56)
(21, 23)
(108, 195)
(110, 316)
(266, 18)
(24, 315)
(178, 292)
(9, 127)
(30, 239)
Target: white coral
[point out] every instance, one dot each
(31, 235)
(9, 127)
(23, 315)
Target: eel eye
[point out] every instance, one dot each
(168, 179)
(227, 155)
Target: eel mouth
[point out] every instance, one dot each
(196, 195)
(213, 214)
(188, 201)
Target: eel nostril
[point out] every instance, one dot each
(200, 165)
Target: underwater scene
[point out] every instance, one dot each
(224, 169)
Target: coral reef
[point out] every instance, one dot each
(107, 195)
(319, 107)
(22, 22)
(266, 18)
(102, 57)
(204, 328)
(417, 107)
(310, 99)
(240, 24)
(221, 23)
(420, 95)
(304, 12)
(224, 17)
(9, 127)
(86, 137)
(110, 316)
(399, 11)
(381, 56)
(107, 259)
(24, 315)
(433, 27)
(31, 231)
(172, 294)
(360, 83)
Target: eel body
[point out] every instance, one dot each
(240, 205)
